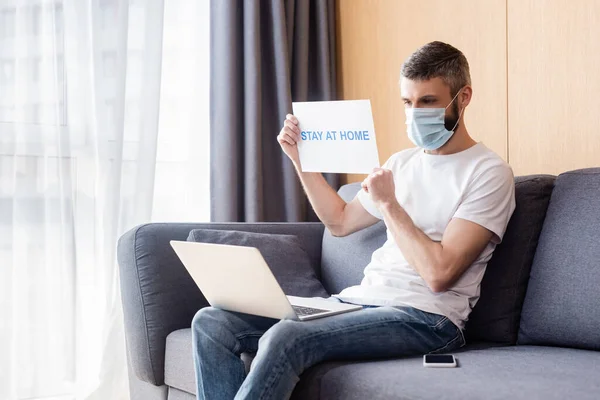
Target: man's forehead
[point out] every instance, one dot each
(418, 88)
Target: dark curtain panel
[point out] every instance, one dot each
(264, 55)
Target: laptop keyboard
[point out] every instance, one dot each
(304, 311)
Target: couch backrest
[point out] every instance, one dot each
(497, 314)
(561, 307)
(158, 294)
(343, 259)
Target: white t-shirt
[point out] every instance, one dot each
(475, 185)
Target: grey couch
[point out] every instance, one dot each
(535, 333)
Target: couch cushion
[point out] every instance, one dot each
(561, 305)
(343, 259)
(158, 294)
(175, 394)
(284, 255)
(496, 315)
(179, 361)
(514, 372)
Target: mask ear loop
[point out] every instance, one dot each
(452, 101)
(461, 111)
(459, 116)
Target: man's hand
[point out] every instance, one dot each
(288, 138)
(380, 184)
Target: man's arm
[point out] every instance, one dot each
(339, 217)
(440, 264)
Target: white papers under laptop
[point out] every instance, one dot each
(237, 278)
(336, 136)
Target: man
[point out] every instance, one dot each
(446, 204)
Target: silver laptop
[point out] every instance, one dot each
(237, 278)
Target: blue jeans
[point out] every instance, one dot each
(284, 349)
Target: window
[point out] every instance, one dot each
(74, 146)
(7, 22)
(183, 162)
(31, 59)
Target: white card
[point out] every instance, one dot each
(336, 136)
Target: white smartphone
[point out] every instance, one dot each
(439, 361)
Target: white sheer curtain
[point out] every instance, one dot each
(103, 125)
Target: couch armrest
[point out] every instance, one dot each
(158, 294)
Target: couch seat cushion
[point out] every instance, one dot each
(179, 361)
(515, 372)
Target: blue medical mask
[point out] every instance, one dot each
(426, 126)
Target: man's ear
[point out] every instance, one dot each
(465, 96)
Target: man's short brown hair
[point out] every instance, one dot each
(438, 60)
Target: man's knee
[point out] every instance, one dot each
(207, 319)
(283, 335)
(290, 339)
